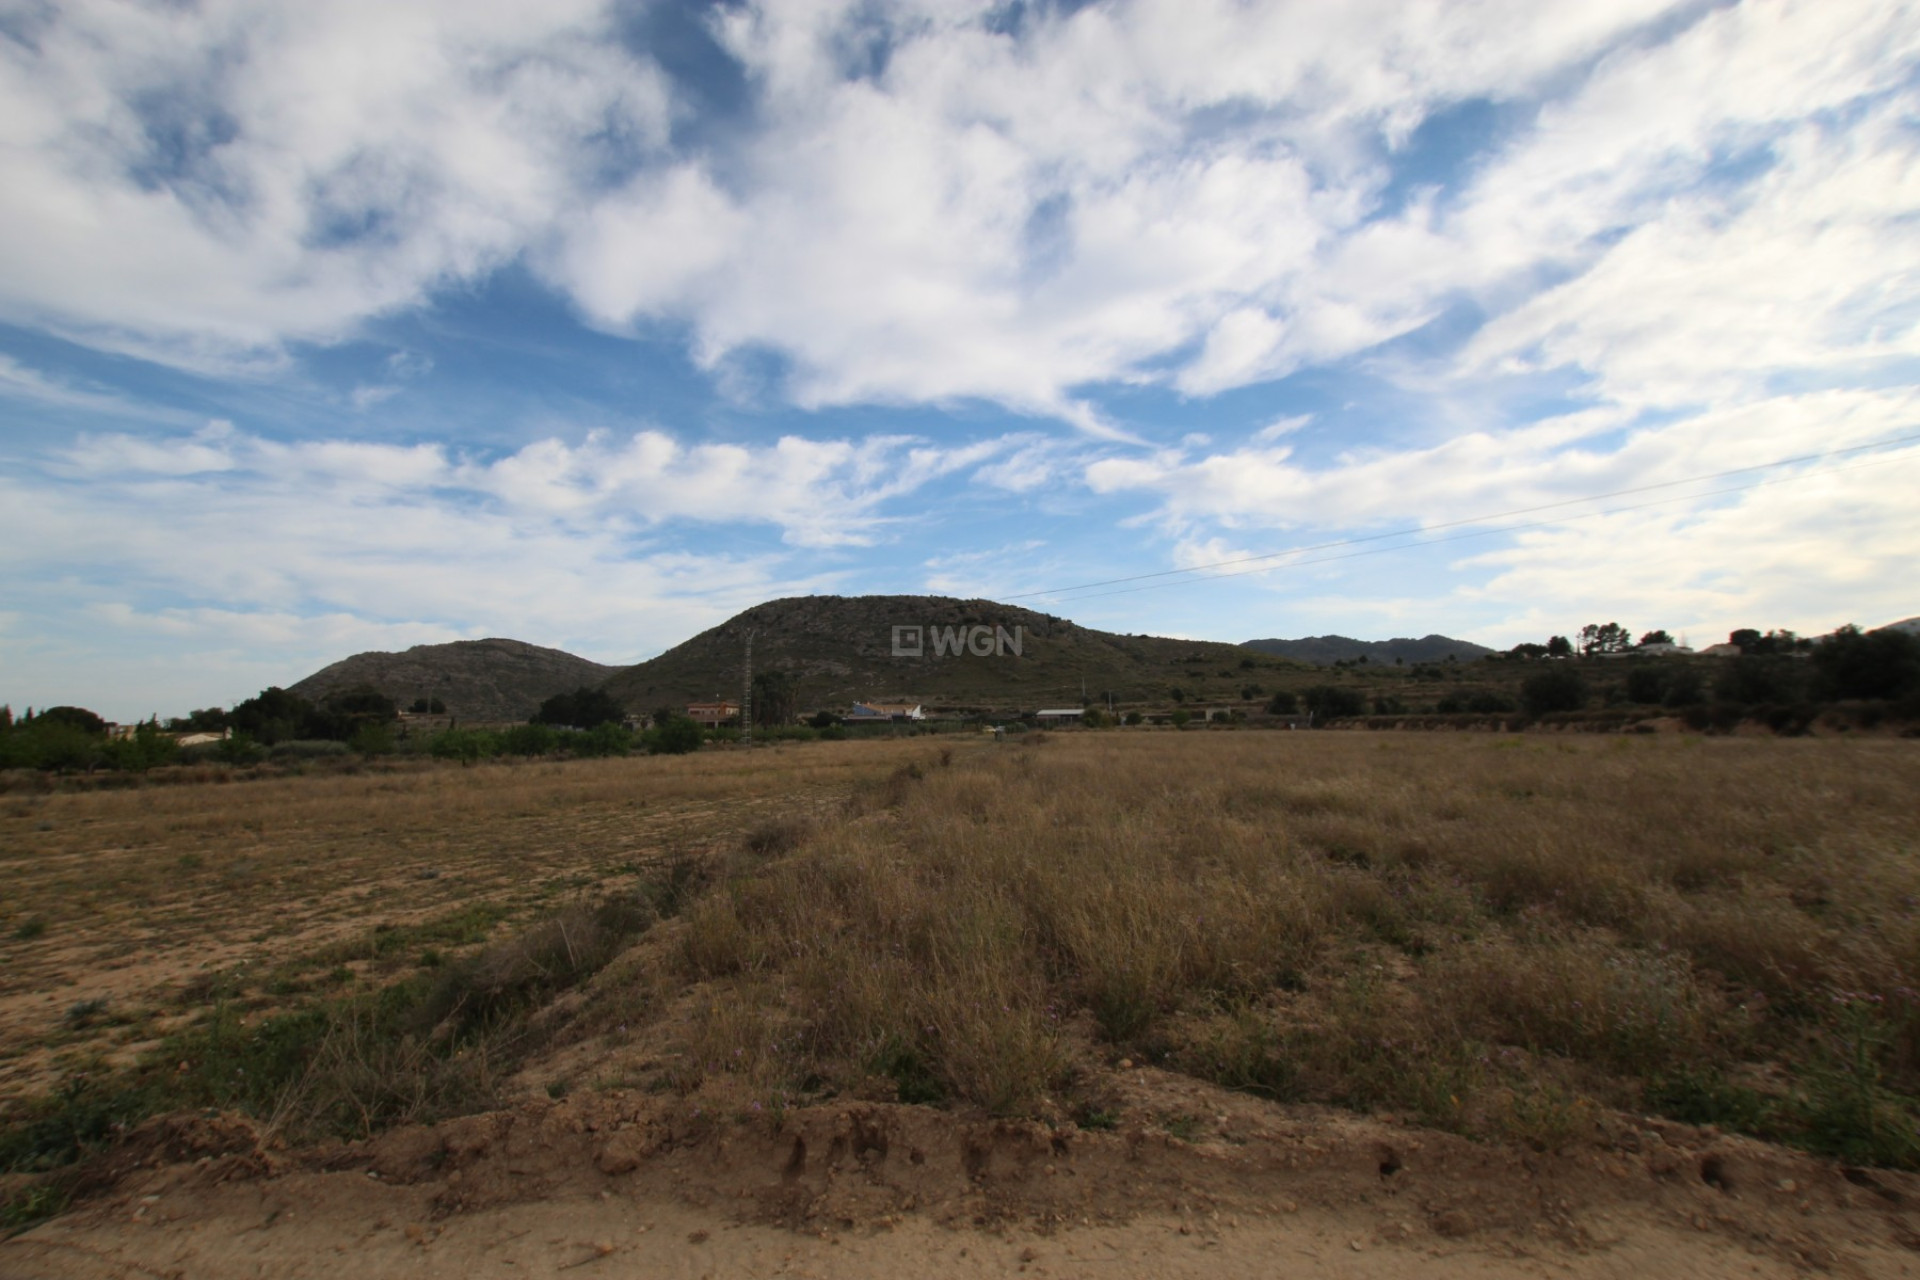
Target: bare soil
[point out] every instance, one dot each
(622, 1184)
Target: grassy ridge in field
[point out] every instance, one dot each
(1507, 937)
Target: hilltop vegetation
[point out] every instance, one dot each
(976, 662)
(838, 649)
(484, 680)
(1324, 651)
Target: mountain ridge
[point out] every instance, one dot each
(839, 649)
(1324, 651)
(491, 679)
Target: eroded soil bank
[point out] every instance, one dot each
(621, 1184)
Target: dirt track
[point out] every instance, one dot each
(626, 1185)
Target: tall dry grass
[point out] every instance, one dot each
(1502, 935)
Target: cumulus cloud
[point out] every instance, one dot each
(1554, 460)
(1017, 214)
(820, 493)
(1694, 224)
(230, 543)
(930, 205)
(1791, 544)
(202, 183)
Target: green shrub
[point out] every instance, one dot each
(148, 748)
(677, 737)
(1752, 680)
(1874, 664)
(307, 749)
(239, 749)
(584, 708)
(74, 718)
(529, 740)
(468, 746)
(609, 738)
(1703, 1095)
(1332, 702)
(1559, 688)
(1237, 1049)
(372, 739)
(1685, 689)
(1647, 683)
(53, 745)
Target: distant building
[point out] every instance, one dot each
(877, 712)
(1059, 715)
(712, 715)
(202, 738)
(1721, 651)
(1658, 649)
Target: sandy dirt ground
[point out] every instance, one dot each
(145, 892)
(630, 1185)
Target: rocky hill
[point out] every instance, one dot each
(1324, 651)
(839, 649)
(476, 679)
(973, 655)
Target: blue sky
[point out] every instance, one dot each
(359, 325)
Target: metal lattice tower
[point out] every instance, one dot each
(746, 693)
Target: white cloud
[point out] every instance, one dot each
(1280, 427)
(1478, 473)
(1797, 544)
(1814, 273)
(1018, 218)
(287, 559)
(228, 548)
(1703, 229)
(821, 493)
(204, 182)
(1009, 215)
(26, 385)
(1809, 556)
(982, 213)
(330, 633)
(988, 574)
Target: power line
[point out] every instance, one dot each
(1469, 520)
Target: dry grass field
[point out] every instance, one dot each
(128, 913)
(1534, 942)
(1504, 937)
